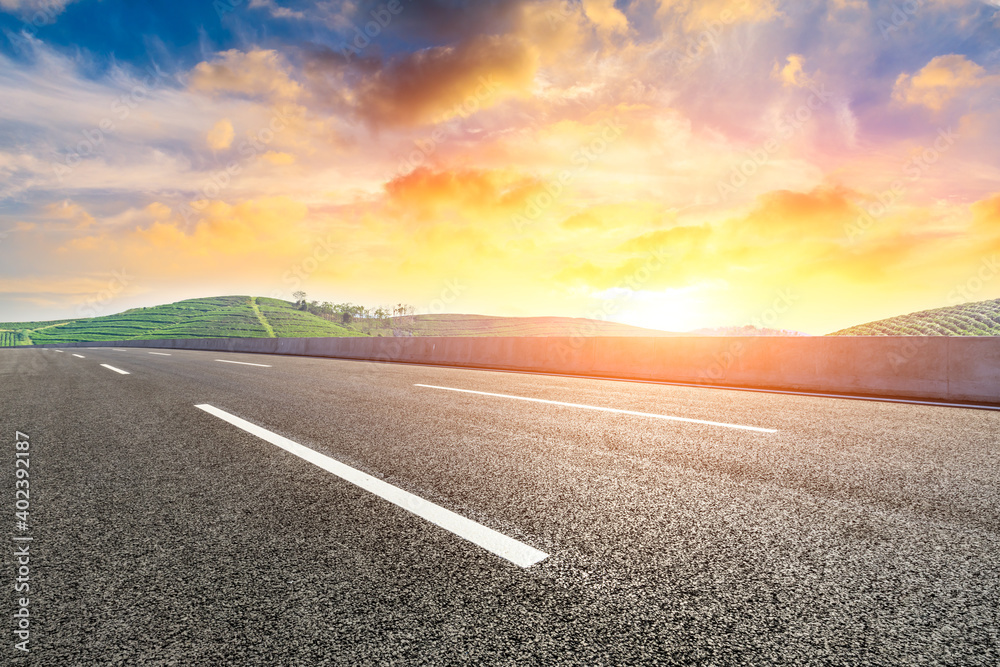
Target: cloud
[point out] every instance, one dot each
(440, 83)
(841, 5)
(278, 158)
(220, 137)
(230, 229)
(786, 238)
(940, 81)
(464, 194)
(257, 74)
(530, 87)
(436, 21)
(533, 46)
(131, 136)
(792, 74)
(847, 121)
(583, 221)
(699, 14)
(276, 10)
(785, 214)
(605, 15)
(618, 218)
(43, 11)
(250, 242)
(986, 222)
(160, 241)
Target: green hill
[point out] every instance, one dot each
(214, 317)
(981, 318)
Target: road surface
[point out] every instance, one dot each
(175, 520)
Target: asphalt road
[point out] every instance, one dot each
(856, 533)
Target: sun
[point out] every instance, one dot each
(677, 309)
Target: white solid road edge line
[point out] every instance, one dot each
(116, 370)
(243, 363)
(506, 547)
(615, 410)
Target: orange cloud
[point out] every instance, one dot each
(605, 15)
(941, 80)
(987, 212)
(279, 159)
(469, 195)
(792, 74)
(986, 223)
(789, 215)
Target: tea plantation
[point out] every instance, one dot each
(213, 317)
(981, 318)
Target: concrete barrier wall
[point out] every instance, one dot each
(933, 368)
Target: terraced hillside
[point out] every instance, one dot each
(214, 317)
(11, 338)
(288, 322)
(981, 318)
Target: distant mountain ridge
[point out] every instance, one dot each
(980, 318)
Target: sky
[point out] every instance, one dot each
(676, 164)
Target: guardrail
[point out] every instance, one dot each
(952, 369)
